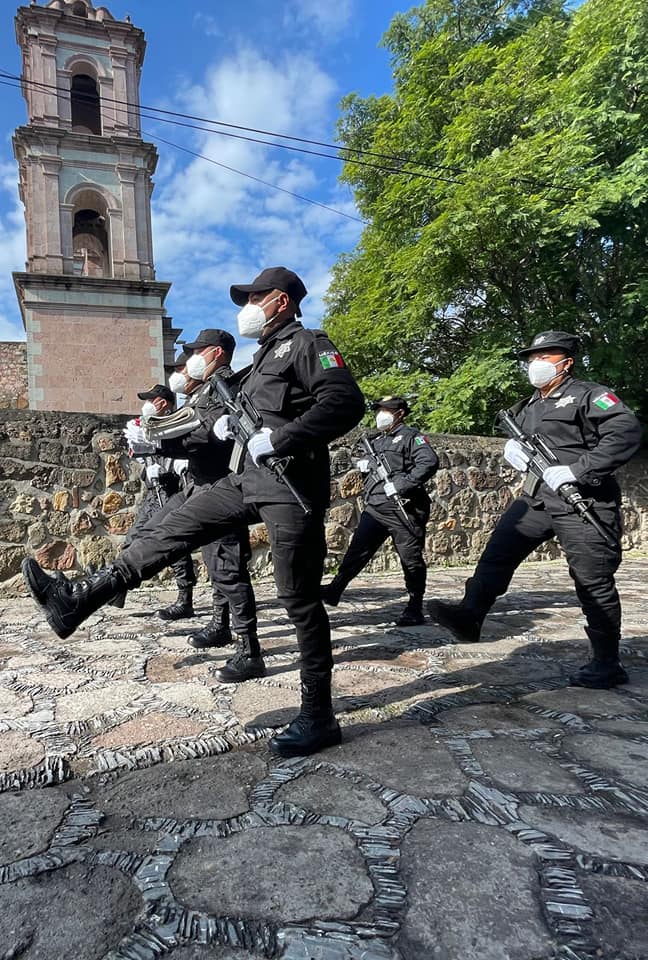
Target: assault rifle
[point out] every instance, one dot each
(246, 420)
(541, 456)
(379, 467)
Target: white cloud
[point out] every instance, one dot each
(329, 19)
(207, 25)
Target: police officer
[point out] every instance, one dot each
(163, 478)
(305, 397)
(592, 433)
(208, 459)
(411, 461)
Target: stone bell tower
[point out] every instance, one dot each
(97, 330)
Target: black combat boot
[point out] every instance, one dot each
(246, 664)
(604, 670)
(315, 726)
(216, 633)
(461, 621)
(332, 592)
(67, 603)
(412, 615)
(183, 606)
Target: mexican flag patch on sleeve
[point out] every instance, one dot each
(606, 400)
(330, 359)
(419, 441)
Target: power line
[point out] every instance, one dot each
(398, 170)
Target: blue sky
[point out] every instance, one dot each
(279, 66)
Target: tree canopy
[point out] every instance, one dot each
(525, 128)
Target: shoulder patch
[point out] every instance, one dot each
(420, 440)
(330, 359)
(606, 400)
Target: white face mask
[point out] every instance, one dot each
(197, 366)
(251, 319)
(384, 420)
(542, 372)
(149, 409)
(177, 382)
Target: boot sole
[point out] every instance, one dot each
(602, 685)
(55, 621)
(197, 645)
(287, 751)
(239, 678)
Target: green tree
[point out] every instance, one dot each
(529, 125)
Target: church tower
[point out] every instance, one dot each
(97, 330)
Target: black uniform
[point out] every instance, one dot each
(227, 558)
(304, 393)
(593, 433)
(157, 495)
(412, 461)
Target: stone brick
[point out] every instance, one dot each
(13, 531)
(58, 524)
(342, 514)
(112, 502)
(337, 537)
(37, 533)
(107, 442)
(24, 504)
(10, 560)
(443, 483)
(80, 459)
(96, 552)
(120, 523)
(77, 478)
(115, 472)
(80, 523)
(480, 480)
(351, 484)
(56, 555)
(50, 451)
(259, 535)
(61, 500)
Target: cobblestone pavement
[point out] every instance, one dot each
(478, 807)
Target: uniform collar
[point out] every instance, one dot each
(556, 393)
(286, 330)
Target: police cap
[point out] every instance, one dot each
(391, 403)
(569, 343)
(272, 278)
(213, 337)
(159, 390)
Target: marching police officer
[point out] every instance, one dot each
(411, 462)
(303, 397)
(592, 433)
(163, 478)
(227, 558)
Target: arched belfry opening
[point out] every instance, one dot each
(79, 9)
(90, 246)
(86, 110)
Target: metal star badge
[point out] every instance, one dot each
(565, 401)
(282, 350)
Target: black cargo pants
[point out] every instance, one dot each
(183, 569)
(296, 540)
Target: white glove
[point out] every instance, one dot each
(515, 454)
(222, 428)
(180, 466)
(134, 432)
(555, 477)
(362, 466)
(390, 489)
(152, 471)
(260, 445)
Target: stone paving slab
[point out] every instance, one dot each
(477, 808)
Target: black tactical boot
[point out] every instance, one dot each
(67, 603)
(315, 726)
(412, 615)
(216, 633)
(600, 675)
(332, 592)
(463, 623)
(604, 669)
(183, 606)
(246, 664)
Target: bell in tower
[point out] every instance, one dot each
(88, 297)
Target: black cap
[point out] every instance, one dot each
(391, 403)
(569, 343)
(213, 338)
(272, 278)
(159, 390)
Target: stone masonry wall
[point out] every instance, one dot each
(69, 493)
(13, 375)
